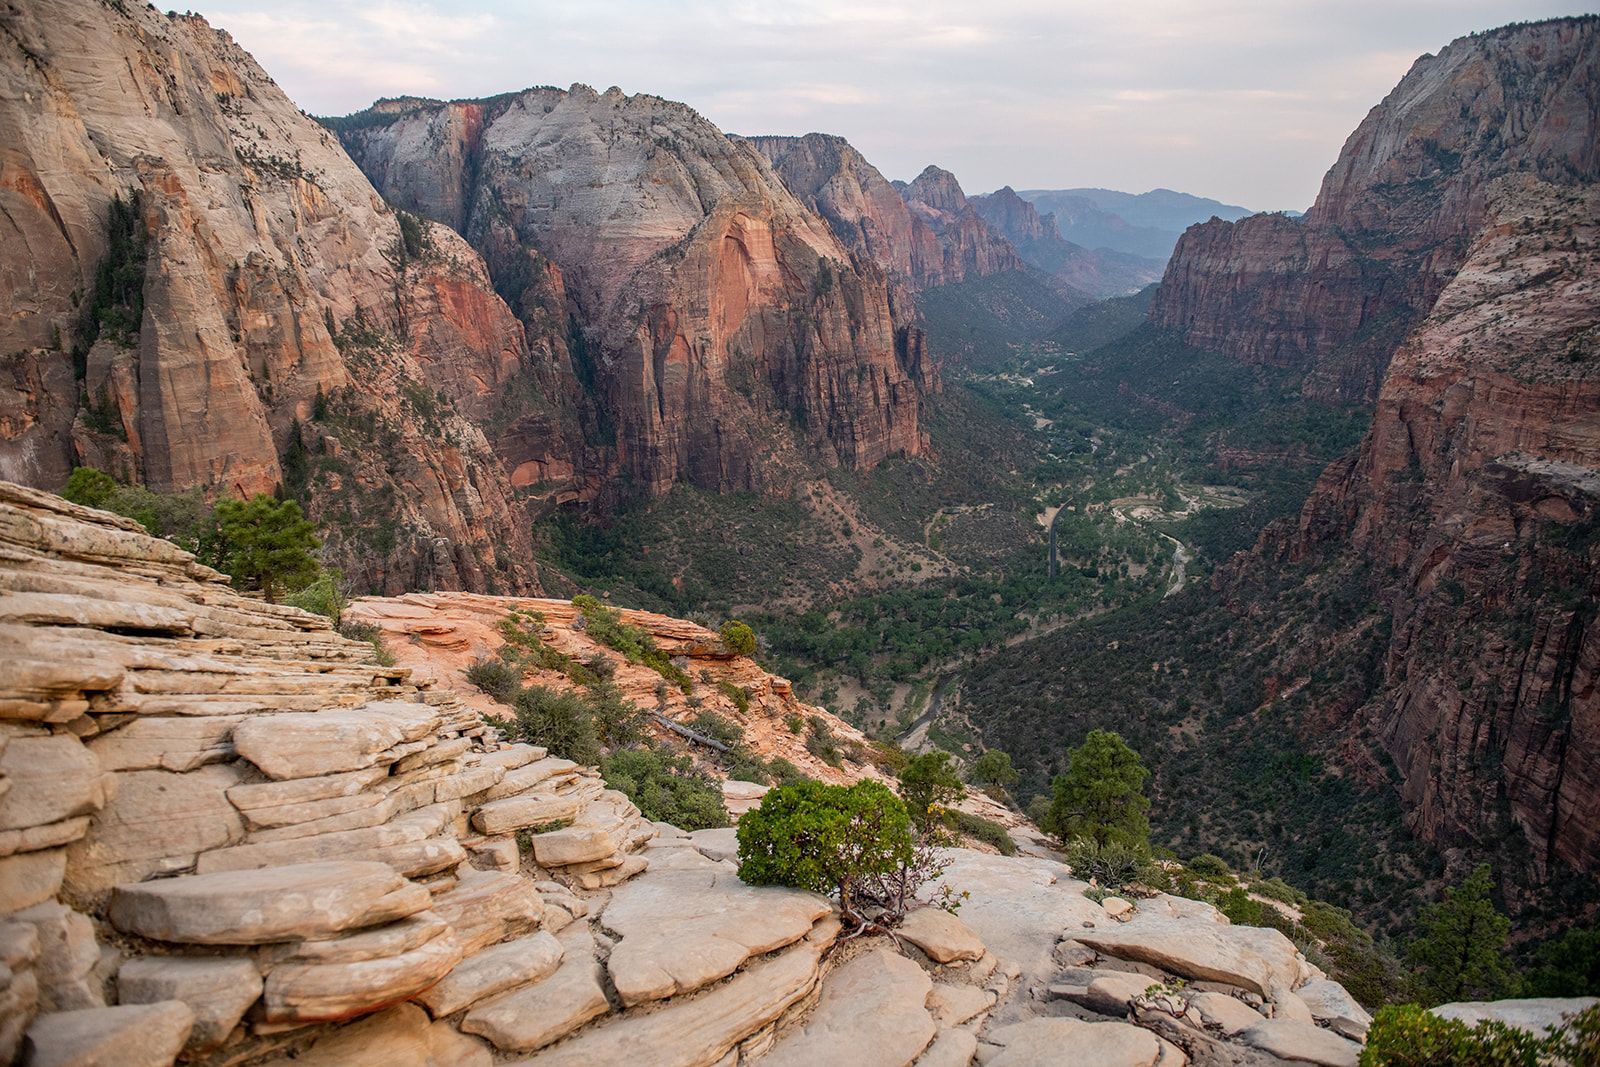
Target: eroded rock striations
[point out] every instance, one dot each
(1478, 489)
(1334, 293)
(725, 330)
(199, 290)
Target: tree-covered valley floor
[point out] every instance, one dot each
(917, 601)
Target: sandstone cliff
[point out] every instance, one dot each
(1334, 292)
(1478, 490)
(228, 835)
(970, 249)
(726, 333)
(190, 263)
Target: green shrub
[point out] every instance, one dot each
(1112, 865)
(264, 545)
(929, 785)
(739, 696)
(738, 638)
(89, 487)
(825, 838)
(365, 631)
(606, 626)
(666, 788)
(994, 768)
(718, 728)
(1460, 953)
(782, 772)
(821, 743)
(1210, 867)
(1101, 795)
(986, 830)
(495, 677)
(795, 723)
(1566, 966)
(322, 597)
(1405, 1035)
(560, 722)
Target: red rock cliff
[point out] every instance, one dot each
(264, 271)
(725, 330)
(1336, 291)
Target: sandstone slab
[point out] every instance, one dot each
(872, 1010)
(1222, 1012)
(521, 812)
(1535, 1014)
(51, 777)
(488, 906)
(328, 742)
(1253, 958)
(257, 907)
(218, 990)
(494, 970)
(952, 1048)
(953, 1005)
(1041, 1041)
(701, 1031)
(684, 928)
(575, 844)
(1331, 1003)
(1290, 1039)
(945, 938)
(328, 992)
(533, 1016)
(144, 1035)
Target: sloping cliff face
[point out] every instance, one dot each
(1476, 495)
(179, 341)
(714, 310)
(1336, 291)
(970, 248)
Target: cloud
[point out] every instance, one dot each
(1245, 100)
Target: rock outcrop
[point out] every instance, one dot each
(1334, 293)
(200, 290)
(726, 332)
(1478, 487)
(970, 249)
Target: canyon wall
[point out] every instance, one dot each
(1477, 492)
(197, 283)
(1334, 293)
(726, 334)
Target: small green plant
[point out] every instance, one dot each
(322, 597)
(606, 626)
(821, 743)
(365, 631)
(739, 695)
(495, 677)
(986, 830)
(825, 838)
(795, 723)
(738, 638)
(1111, 865)
(666, 788)
(1406, 1035)
(929, 785)
(1210, 867)
(89, 487)
(558, 721)
(718, 728)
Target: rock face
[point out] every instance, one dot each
(1334, 292)
(970, 248)
(711, 305)
(1478, 488)
(191, 263)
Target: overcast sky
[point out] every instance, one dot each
(1247, 101)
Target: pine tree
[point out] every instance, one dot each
(264, 544)
(1101, 795)
(993, 768)
(1461, 953)
(929, 785)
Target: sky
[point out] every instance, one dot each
(1246, 101)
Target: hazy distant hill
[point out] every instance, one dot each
(1142, 224)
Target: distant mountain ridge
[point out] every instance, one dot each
(1140, 224)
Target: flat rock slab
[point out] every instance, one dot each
(945, 938)
(520, 812)
(952, 1048)
(1536, 1014)
(532, 1016)
(575, 844)
(721, 843)
(217, 990)
(700, 1031)
(683, 928)
(1330, 1002)
(872, 1010)
(489, 906)
(1289, 1039)
(953, 1005)
(258, 907)
(1110, 991)
(329, 742)
(143, 1035)
(1228, 1014)
(330, 992)
(1043, 1041)
(1253, 958)
(494, 970)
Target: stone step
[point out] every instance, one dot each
(142, 1035)
(872, 1010)
(494, 970)
(532, 1016)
